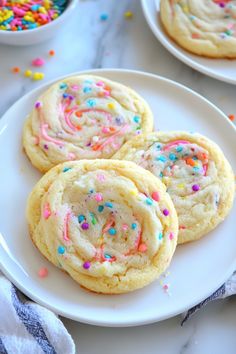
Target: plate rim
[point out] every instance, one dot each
(101, 322)
(177, 54)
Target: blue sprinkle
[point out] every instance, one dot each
(160, 236)
(195, 158)
(107, 256)
(136, 119)
(91, 102)
(109, 204)
(172, 157)
(61, 250)
(133, 226)
(88, 82)
(91, 191)
(81, 218)
(158, 147)
(161, 174)
(35, 7)
(65, 95)
(100, 208)
(196, 169)
(63, 85)
(149, 201)
(87, 89)
(104, 17)
(65, 169)
(179, 148)
(112, 231)
(161, 158)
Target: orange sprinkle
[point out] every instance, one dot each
(231, 117)
(112, 129)
(142, 247)
(78, 127)
(96, 147)
(78, 114)
(190, 162)
(51, 52)
(15, 70)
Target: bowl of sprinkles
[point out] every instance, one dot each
(24, 22)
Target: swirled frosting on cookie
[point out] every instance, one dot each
(196, 173)
(203, 27)
(83, 117)
(109, 224)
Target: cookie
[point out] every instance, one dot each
(198, 177)
(203, 27)
(109, 224)
(83, 117)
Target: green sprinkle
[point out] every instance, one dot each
(93, 219)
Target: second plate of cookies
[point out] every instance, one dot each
(192, 20)
(111, 225)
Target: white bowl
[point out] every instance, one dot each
(39, 34)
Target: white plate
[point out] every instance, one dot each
(221, 69)
(197, 269)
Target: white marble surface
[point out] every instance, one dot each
(89, 43)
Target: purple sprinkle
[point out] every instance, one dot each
(89, 144)
(86, 265)
(38, 104)
(222, 4)
(119, 120)
(71, 97)
(45, 147)
(195, 187)
(166, 212)
(85, 226)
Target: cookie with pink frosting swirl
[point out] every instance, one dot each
(198, 177)
(109, 224)
(83, 117)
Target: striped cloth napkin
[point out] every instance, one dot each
(27, 328)
(227, 289)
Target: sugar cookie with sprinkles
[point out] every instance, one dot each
(83, 117)
(109, 224)
(203, 27)
(198, 177)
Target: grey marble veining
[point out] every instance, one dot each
(89, 43)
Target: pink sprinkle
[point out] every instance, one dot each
(125, 227)
(100, 83)
(71, 156)
(101, 177)
(46, 211)
(165, 287)
(171, 236)
(106, 93)
(38, 62)
(98, 197)
(105, 130)
(43, 272)
(75, 87)
(195, 35)
(156, 196)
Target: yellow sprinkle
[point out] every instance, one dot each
(133, 192)
(185, 9)
(28, 73)
(111, 105)
(181, 186)
(38, 76)
(42, 10)
(78, 102)
(128, 14)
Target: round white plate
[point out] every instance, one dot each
(221, 69)
(197, 269)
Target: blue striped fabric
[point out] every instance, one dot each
(31, 320)
(2, 348)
